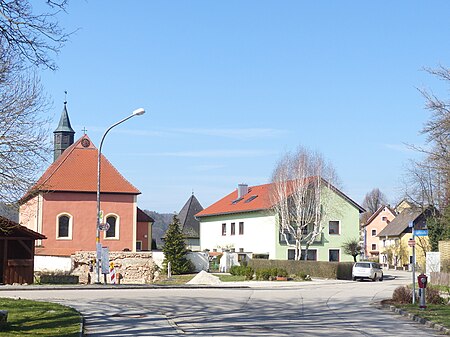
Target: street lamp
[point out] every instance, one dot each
(137, 112)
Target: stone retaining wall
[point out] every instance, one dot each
(134, 268)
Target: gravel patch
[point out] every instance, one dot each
(204, 277)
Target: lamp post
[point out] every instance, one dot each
(137, 112)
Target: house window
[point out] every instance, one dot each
(384, 218)
(241, 250)
(312, 255)
(64, 227)
(291, 254)
(374, 246)
(333, 255)
(233, 228)
(333, 227)
(224, 229)
(138, 246)
(113, 231)
(374, 232)
(241, 228)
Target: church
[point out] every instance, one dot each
(62, 205)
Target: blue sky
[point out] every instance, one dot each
(230, 86)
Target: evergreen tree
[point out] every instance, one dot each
(175, 250)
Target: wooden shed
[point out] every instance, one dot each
(17, 245)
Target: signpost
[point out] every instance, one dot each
(421, 232)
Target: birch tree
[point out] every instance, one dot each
(298, 183)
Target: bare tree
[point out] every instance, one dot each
(373, 200)
(427, 182)
(371, 203)
(24, 136)
(437, 130)
(32, 37)
(27, 40)
(297, 195)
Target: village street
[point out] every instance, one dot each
(317, 308)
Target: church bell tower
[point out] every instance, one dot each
(63, 135)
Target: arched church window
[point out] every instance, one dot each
(64, 227)
(113, 231)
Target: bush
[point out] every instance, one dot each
(303, 276)
(432, 296)
(331, 270)
(281, 272)
(402, 295)
(242, 271)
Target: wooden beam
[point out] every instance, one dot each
(24, 245)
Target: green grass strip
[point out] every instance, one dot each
(33, 318)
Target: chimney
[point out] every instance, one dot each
(242, 190)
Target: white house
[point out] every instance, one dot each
(244, 222)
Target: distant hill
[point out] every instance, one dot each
(162, 221)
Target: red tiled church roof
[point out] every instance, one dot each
(76, 171)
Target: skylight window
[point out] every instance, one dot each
(237, 200)
(253, 197)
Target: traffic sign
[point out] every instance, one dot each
(421, 232)
(411, 242)
(103, 226)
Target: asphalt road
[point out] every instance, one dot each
(317, 308)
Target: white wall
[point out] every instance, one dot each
(259, 234)
(199, 259)
(52, 263)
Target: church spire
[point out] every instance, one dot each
(63, 135)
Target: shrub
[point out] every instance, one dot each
(264, 274)
(432, 296)
(242, 271)
(331, 270)
(282, 272)
(402, 295)
(302, 276)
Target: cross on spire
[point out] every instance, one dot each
(84, 130)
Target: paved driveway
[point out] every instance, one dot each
(317, 308)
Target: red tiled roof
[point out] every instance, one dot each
(76, 171)
(262, 201)
(226, 205)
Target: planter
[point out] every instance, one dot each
(281, 278)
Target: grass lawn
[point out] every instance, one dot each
(230, 278)
(436, 313)
(32, 318)
(176, 279)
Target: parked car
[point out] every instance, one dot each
(367, 270)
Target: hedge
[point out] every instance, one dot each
(323, 269)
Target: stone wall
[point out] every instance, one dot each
(134, 268)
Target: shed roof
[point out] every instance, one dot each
(10, 228)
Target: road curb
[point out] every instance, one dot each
(415, 318)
